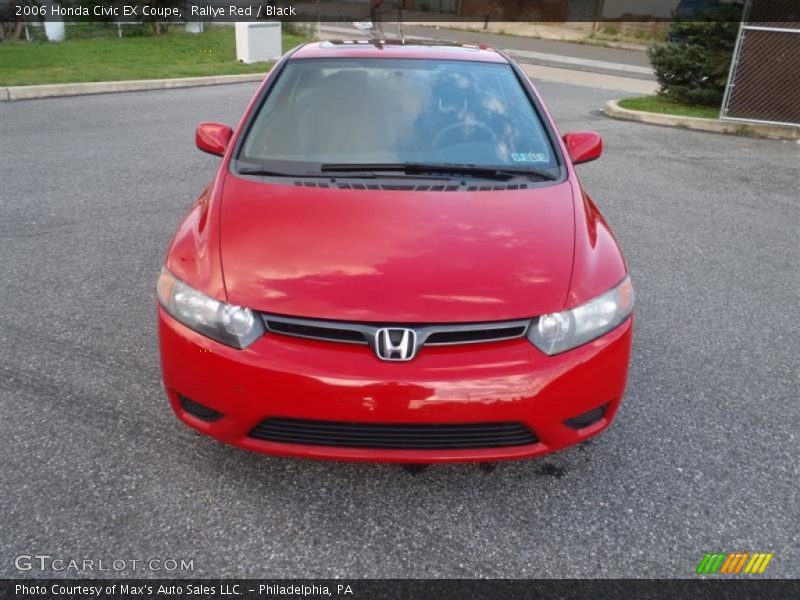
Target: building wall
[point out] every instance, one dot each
(567, 10)
(515, 10)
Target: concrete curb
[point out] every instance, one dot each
(781, 132)
(30, 92)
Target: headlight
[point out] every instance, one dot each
(226, 323)
(559, 332)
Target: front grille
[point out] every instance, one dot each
(332, 334)
(470, 336)
(426, 335)
(395, 437)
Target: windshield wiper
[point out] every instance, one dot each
(442, 168)
(262, 171)
(477, 171)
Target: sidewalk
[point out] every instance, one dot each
(587, 79)
(543, 31)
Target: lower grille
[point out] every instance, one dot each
(396, 437)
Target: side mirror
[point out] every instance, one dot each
(213, 138)
(583, 146)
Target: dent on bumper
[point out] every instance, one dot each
(280, 376)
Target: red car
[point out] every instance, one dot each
(396, 262)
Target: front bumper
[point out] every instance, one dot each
(286, 377)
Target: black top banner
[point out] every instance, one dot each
(773, 11)
(390, 589)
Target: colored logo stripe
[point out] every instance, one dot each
(710, 563)
(732, 563)
(758, 563)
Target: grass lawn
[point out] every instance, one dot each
(175, 54)
(657, 104)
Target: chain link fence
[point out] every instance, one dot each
(764, 80)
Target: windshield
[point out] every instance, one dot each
(347, 111)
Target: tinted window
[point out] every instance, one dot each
(398, 111)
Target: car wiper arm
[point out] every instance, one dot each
(348, 172)
(262, 171)
(370, 169)
(443, 168)
(477, 171)
(348, 167)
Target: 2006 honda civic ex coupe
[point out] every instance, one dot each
(396, 262)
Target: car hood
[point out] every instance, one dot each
(396, 256)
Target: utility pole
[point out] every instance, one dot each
(400, 21)
(598, 14)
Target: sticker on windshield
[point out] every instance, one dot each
(529, 157)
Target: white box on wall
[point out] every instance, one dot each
(258, 41)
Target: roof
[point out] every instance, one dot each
(398, 49)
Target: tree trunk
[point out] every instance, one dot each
(11, 31)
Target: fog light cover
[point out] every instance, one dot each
(198, 410)
(590, 417)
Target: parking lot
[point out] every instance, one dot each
(703, 456)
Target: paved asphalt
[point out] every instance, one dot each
(704, 454)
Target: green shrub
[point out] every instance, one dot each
(90, 29)
(692, 68)
(83, 30)
(299, 28)
(136, 29)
